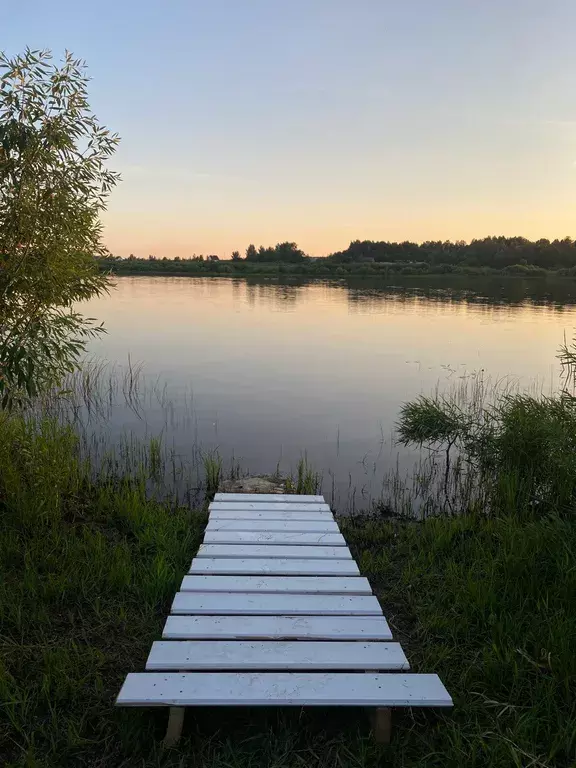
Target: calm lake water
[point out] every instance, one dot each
(265, 372)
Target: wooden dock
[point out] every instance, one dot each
(274, 611)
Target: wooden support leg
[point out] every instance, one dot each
(382, 725)
(174, 729)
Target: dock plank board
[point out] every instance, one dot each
(292, 526)
(262, 498)
(270, 514)
(282, 689)
(315, 585)
(271, 538)
(234, 603)
(248, 551)
(280, 507)
(276, 627)
(275, 655)
(274, 566)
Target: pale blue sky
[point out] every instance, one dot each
(323, 121)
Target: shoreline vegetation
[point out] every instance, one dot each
(505, 256)
(481, 591)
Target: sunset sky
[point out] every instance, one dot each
(323, 121)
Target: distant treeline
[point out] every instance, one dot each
(508, 255)
(495, 252)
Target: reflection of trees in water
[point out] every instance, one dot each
(283, 295)
(488, 293)
(238, 288)
(367, 302)
(251, 294)
(496, 291)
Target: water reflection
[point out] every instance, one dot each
(264, 371)
(476, 289)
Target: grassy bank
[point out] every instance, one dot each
(322, 268)
(488, 604)
(89, 569)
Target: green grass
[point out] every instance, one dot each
(489, 605)
(213, 472)
(88, 567)
(87, 574)
(307, 481)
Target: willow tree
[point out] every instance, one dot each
(54, 184)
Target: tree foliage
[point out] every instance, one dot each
(513, 254)
(282, 252)
(53, 186)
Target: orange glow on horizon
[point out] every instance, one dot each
(124, 236)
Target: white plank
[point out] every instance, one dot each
(293, 526)
(267, 538)
(248, 551)
(234, 603)
(252, 506)
(275, 566)
(315, 585)
(272, 655)
(289, 498)
(276, 627)
(245, 514)
(322, 689)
